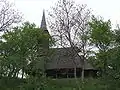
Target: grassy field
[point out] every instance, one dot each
(62, 84)
(73, 84)
(88, 84)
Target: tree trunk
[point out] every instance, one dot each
(11, 72)
(82, 76)
(75, 72)
(83, 67)
(67, 73)
(22, 73)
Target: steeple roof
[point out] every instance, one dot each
(43, 22)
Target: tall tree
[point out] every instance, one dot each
(114, 56)
(101, 37)
(20, 47)
(69, 25)
(8, 15)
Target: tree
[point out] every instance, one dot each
(108, 55)
(114, 56)
(8, 15)
(69, 25)
(20, 47)
(101, 37)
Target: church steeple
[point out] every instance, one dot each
(44, 28)
(43, 22)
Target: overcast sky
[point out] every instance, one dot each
(32, 9)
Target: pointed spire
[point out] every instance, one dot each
(43, 22)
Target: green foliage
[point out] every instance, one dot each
(102, 37)
(101, 34)
(117, 36)
(114, 57)
(7, 83)
(34, 83)
(21, 46)
(24, 52)
(107, 59)
(114, 63)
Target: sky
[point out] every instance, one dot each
(32, 9)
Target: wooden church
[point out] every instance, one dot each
(61, 64)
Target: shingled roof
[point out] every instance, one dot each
(63, 59)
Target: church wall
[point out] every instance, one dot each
(69, 73)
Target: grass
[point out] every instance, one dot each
(64, 84)
(70, 84)
(67, 84)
